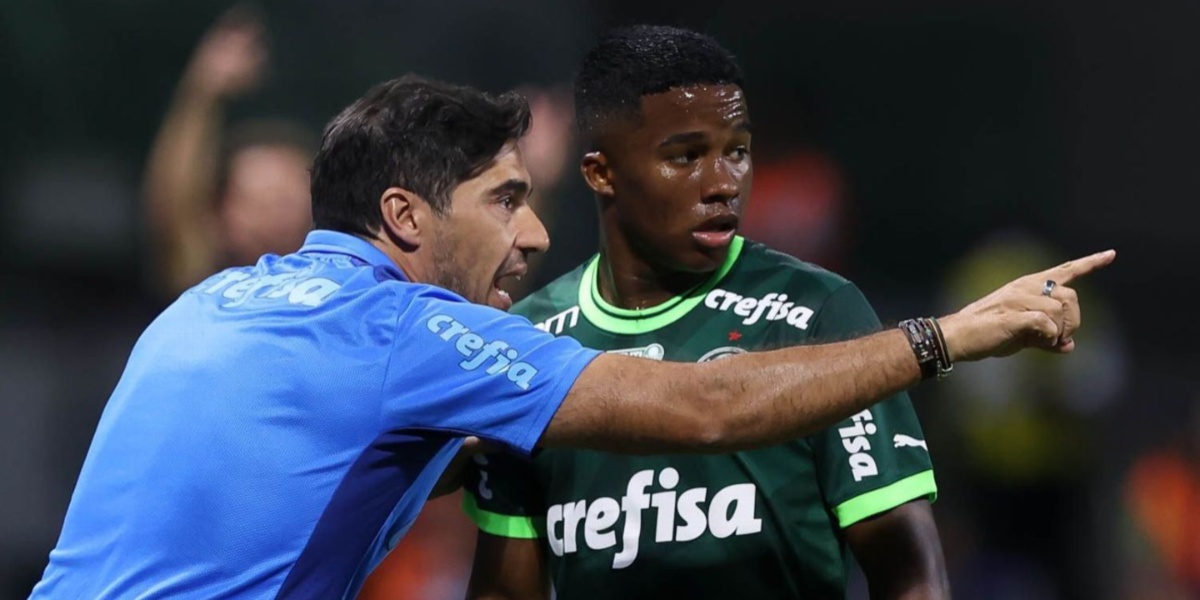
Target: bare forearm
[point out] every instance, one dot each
(180, 183)
(751, 400)
(183, 159)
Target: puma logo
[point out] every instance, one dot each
(903, 441)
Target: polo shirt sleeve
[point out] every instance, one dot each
(475, 370)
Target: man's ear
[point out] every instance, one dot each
(597, 173)
(406, 216)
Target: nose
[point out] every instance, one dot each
(531, 233)
(721, 181)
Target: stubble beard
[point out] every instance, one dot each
(449, 274)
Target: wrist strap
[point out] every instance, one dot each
(929, 346)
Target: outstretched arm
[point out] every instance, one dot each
(900, 553)
(182, 171)
(630, 405)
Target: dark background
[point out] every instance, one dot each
(1067, 122)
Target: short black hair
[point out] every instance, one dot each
(422, 135)
(640, 60)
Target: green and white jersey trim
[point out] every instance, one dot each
(632, 322)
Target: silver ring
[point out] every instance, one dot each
(1048, 287)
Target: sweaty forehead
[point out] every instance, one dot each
(713, 104)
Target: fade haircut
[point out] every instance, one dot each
(640, 60)
(418, 134)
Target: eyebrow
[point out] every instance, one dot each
(691, 137)
(512, 186)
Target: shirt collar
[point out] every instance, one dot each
(336, 242)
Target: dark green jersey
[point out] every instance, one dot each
(759, 524)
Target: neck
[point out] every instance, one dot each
(626, 279)
(406, 261)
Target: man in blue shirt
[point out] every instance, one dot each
(279, 426)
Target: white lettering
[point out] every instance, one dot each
(741, 498)
(779, 309)
(634, 502)
(730, 299)
(771, 307)
(763, 305)
(559, 322)
(731, 512)
(573, 513)
(664, 503)
(711, 299)
(856, 441)
(744, 306)
(694, 522)
(554, 517)
(799, 317)
(601, 516)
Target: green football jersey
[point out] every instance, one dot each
(760, 524)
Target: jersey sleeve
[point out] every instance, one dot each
(877, 459)
(503, 496)
(474, 370)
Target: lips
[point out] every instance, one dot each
(502, 299)
(721, 222)
(717, 231)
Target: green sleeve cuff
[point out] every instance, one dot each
(496, 523)
(884, 499)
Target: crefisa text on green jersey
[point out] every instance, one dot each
(729, 511)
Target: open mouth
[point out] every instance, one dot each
(507, 279)
(716, 232)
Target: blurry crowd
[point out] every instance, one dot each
(1041, 497)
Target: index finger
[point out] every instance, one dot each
(1072, 269)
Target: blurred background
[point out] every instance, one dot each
(928, 150)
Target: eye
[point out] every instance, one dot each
(686, 158)
(508, 202)
(740, 153)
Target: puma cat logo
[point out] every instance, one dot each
(904, 441)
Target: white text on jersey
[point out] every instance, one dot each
(772, 307)
(730, 512)
(856, 442)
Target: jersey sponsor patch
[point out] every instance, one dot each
(771, 307)
(678, 516)
(856, 439)
(503, 358)
(240, 287)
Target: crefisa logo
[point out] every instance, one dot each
(478, 352)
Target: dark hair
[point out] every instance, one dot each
(640, 60)
(422, 135)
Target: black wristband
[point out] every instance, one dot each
(944, 366)
(925, 337)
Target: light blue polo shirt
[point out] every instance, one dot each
(278, 428)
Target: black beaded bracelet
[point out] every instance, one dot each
(929, 345)
(944, 365)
